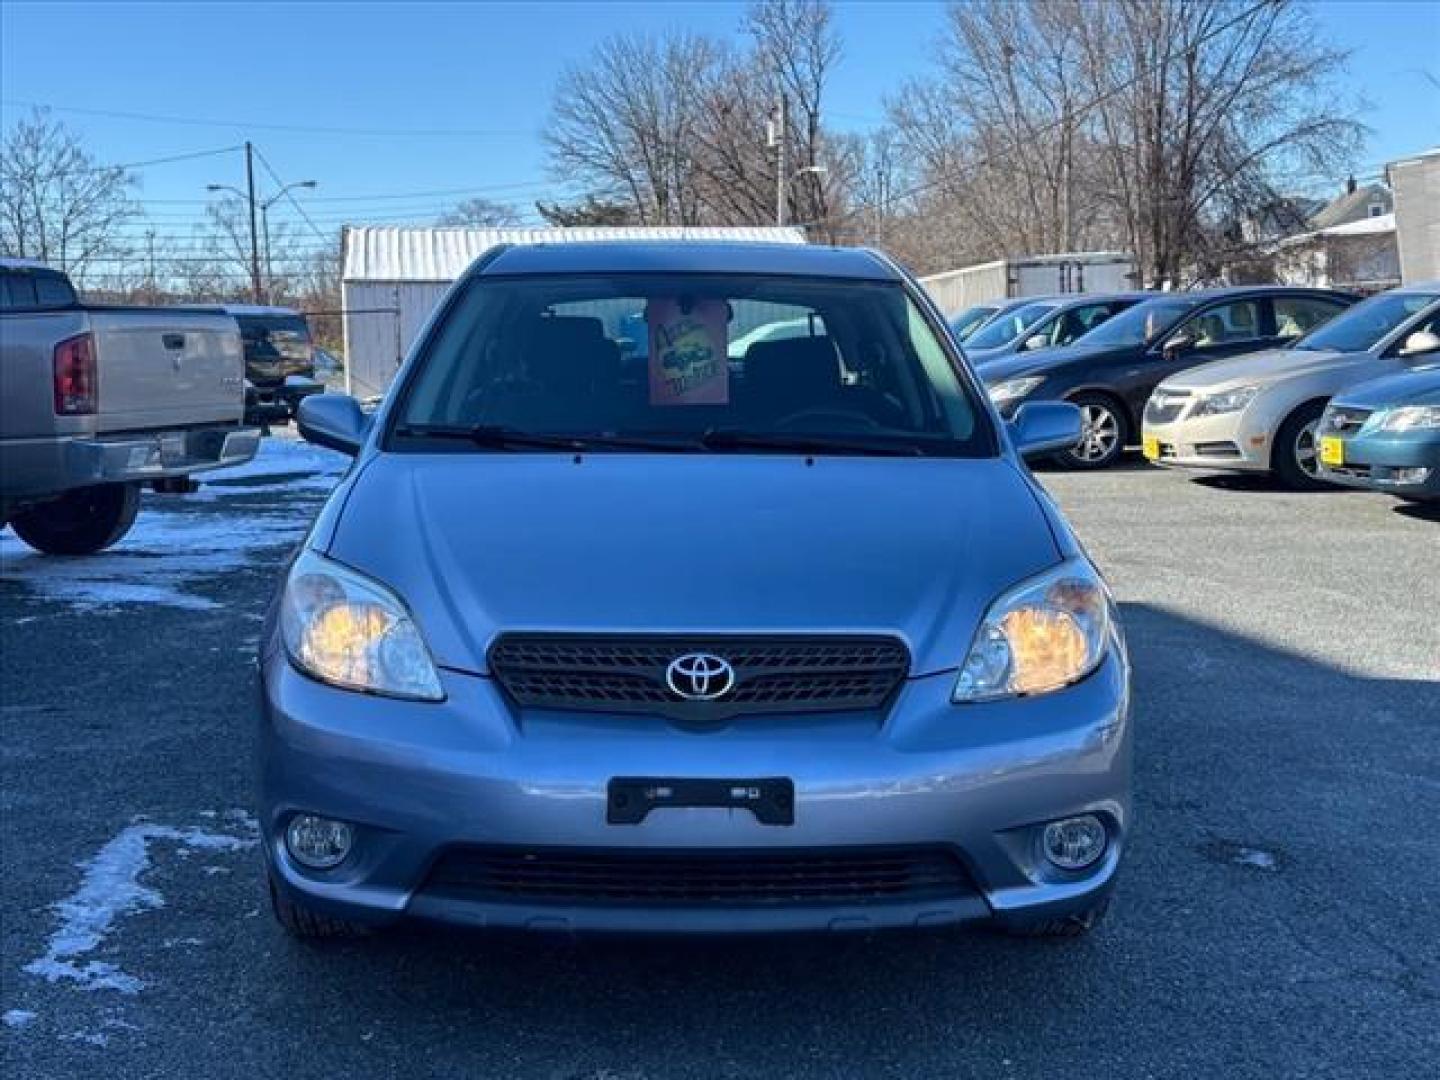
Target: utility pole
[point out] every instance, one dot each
(254, 237)
(150, 275)
(777, 140)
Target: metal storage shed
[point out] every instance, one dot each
(392, 278)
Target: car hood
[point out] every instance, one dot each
(1265, 368)
(1043, 362)
(1419, 387)
(481, 543)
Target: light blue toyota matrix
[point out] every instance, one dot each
(612, 628)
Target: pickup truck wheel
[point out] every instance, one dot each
(300, 922)
(80, 522)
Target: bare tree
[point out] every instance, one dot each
(624, 126)
(590, 210)
(479, 213)
(57, 202)
(1138, 123)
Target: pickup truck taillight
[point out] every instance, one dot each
(75, 389)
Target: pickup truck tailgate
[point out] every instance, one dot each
(167, 369)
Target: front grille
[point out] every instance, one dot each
(723, 877)
(1164, 407)
(772, 674)
(1341, 420)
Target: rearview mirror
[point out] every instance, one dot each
(1178, 343)
(1036, 341)
(1042, 427)
(1420, 343)
(334, 421)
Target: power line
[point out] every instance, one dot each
(286, 190)
(316, 129)
(143, 164)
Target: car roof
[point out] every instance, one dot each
(1240, 291)
(686, 257)
(14, 262)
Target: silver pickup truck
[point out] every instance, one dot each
(97, 401)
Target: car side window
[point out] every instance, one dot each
(1222, 325)
(1297, 315)
(19, 291)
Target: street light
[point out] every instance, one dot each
(263, 206)
(818, 170)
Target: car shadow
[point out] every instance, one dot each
(1426, 511)
(1275, 797)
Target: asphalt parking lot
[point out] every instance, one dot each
(1277, 915)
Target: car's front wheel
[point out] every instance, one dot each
(1296, 454)
(1104, 433)
(301, 922)
(1070, 926)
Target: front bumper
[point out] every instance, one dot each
(417, 781)
(1223, 442)
(34, 468)
(1388, 463)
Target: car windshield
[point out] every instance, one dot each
(1367, 323)
(1006, 328)
(970, 320)
(1141, 324)
(552, 362)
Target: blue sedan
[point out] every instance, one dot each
(1384, 435)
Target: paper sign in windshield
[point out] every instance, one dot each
(688, 364)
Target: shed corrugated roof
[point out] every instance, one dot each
(396, 254)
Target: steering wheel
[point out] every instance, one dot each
(801, 420)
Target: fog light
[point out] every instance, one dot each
(318, 842)
(1076, 842)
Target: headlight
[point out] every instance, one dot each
(1013, 389)
(1408, 418)
(346, 630)
(1043, 634)
(1226, 401)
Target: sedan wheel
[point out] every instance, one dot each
(1296, 457)
(1307, 449)
(1102, 435)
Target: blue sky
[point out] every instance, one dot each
(428, 98)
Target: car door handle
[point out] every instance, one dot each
(173, 341)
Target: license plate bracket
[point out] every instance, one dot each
(629, 799)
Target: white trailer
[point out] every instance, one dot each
(1036, 275)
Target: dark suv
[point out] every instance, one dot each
(279, 361)
(1111, 371)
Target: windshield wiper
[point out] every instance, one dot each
(734, 439)
(501, 437)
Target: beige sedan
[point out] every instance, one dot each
(1259, 412)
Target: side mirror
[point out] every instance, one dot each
(1037, 341)
(1042, 427)
(1420, 343)
(1174, 346)
(334, 421)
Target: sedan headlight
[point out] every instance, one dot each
(349, 631)
(1045, 633)
(1004, 393)
(1406, 418)
(1227, 401)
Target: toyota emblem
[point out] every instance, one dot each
(700, 676)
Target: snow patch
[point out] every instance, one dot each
(17, 1018)
(109, 889)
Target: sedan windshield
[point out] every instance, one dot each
(970, 320)
(1367, 323)
(1141, 324)
(555, 363)
(1006, 328)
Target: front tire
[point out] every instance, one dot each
(1071, 926)
(300, 922)
(80, 522)
(1296, 454)
(1104, 433)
